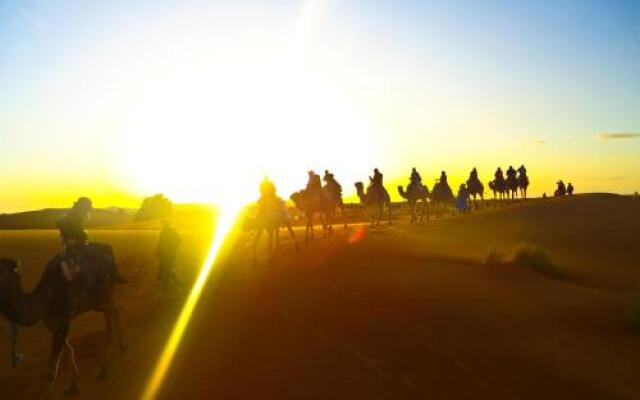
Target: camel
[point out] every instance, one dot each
(272, 215)
(475, 188)
(416, 192)
(376, 198)
(512, 187)
(523, 184)
(499, 189)
(442, 196)
(56, 302)
(312, 203)
(333, 194)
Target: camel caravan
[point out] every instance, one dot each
(322, 202)
(82, 277)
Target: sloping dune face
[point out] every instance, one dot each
(404, 312)
(594, 237)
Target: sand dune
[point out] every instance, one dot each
(408, 311)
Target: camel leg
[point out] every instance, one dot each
(122, 344)
(308, 231)
(426, 208)
(389, 209)
(16, 357)
(108, 320)
(73, 383)
(277, 240)
(59, 337)
(344, 219)
(256, 240)
(293, 236)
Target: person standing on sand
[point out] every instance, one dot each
(167, 253)
(462, 199)
(569, 189)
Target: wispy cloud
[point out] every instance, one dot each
(540, 141)
(617, 136)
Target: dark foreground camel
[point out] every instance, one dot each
(56, 302)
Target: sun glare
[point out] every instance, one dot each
(217, 123)
(224, 226)
(213, 121)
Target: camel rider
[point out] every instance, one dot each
(511, 173)
(463, 197)
(522, 171)
(443, 178)
(314, 183)
(499, 175)
(327, 176)
(75, 244)
(561, 188)
(331, 181)
(267, 188)
(415, 178)
(271, 206)
(376, 180)
(473, 176)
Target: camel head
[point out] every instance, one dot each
(402, 192)
(360, 189)
(10, 286)
(296, 198)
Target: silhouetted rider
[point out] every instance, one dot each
(443, 178)
(562, 190)
(314, 183)
(376, 180)
(522, 170)
(331, 181)
(511, 173)
(75, 241)
(415, 178)
(499, 175)
(473, 176)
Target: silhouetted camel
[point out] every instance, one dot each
(312, 203)
(523, 184)
(512, 187)
(475, 188)
(442, 197)
(499, 189)
(416, 192)
(376, 198)
(333, 195)
(56, 302)
(272, 215)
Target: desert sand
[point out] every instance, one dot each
(408, 311)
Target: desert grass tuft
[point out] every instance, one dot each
(527, 255)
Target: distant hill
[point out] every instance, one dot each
(46, 219)
(188, 216)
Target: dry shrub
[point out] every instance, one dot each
(527, 255)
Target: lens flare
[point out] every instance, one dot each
(224, 226)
